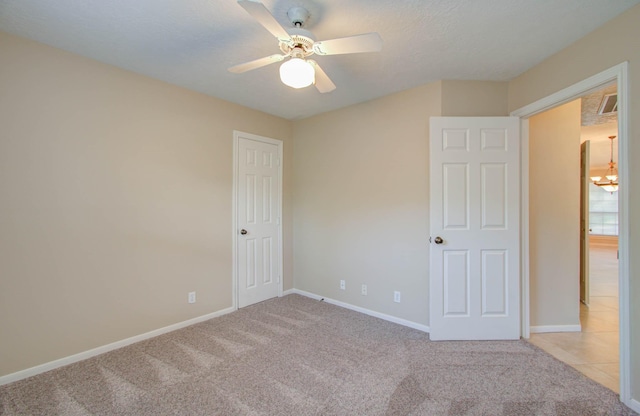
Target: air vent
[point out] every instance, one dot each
(609, 104)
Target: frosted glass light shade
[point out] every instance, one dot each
(297, 73)
(596, 178)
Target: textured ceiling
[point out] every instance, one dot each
(597, 128)
(590, 107)
(191, 43)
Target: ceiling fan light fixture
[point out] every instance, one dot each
(297, 73)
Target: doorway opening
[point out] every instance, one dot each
(617, 74)
(594, 348)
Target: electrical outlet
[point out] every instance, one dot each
(343, 285)
(396, 296)
(191, 297)
(364, 290)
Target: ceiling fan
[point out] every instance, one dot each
(297, 44)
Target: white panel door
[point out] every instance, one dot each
(475, 225)
(258, 220)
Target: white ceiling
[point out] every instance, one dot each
(191, 43)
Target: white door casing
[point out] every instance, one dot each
(257, 219)
(474, 193)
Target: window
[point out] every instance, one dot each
(603, 211)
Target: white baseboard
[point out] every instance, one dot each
(395, 320)
(555, 328)
(633, 405)
(19, 375)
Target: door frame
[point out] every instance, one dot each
(237, 135)
(585, 181)
(618, 74)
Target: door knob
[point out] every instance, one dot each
(438, 240)
(243, 231)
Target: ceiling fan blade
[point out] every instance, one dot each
(258, 63)
(265, 18)
(323, 82)
(368, 42)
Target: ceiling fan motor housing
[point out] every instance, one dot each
(301, 39)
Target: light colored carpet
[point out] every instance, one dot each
(297, 356)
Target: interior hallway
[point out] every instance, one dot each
(595, 350)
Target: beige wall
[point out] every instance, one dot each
(554, 209)
(361, 210)
(611, 44)
(474, 98)
(115, 202)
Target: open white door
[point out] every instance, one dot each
(475, 225)
(584, 221)
(258, 184)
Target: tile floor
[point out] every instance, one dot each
(594, 351)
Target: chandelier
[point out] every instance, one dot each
(609, 181)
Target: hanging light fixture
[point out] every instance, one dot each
(610, 180)
(297, 72)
